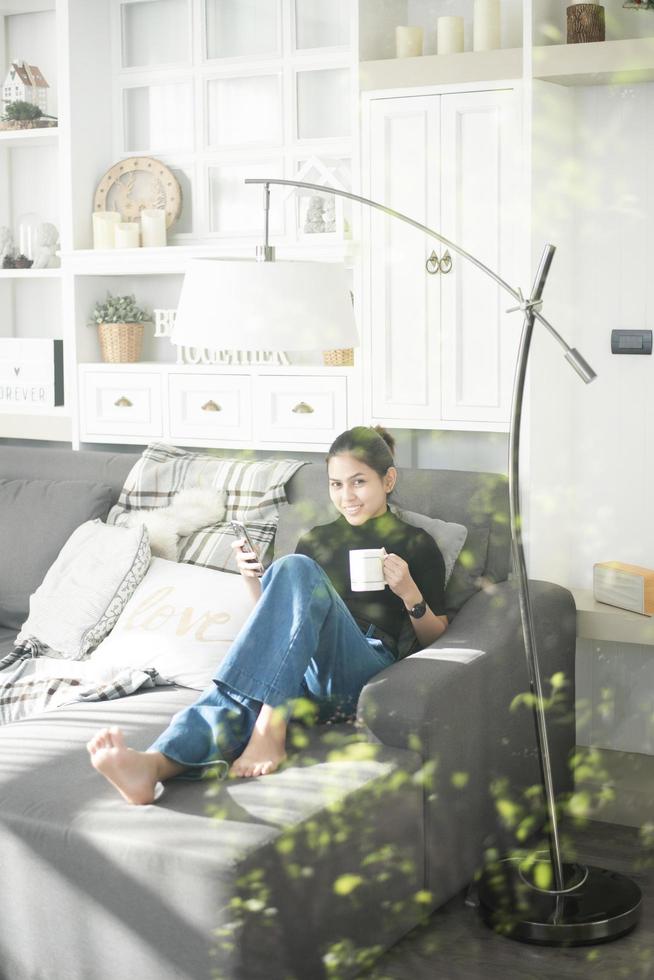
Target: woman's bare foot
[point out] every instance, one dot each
(266, 749)
(134, 774)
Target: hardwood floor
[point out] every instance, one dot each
(456, 945)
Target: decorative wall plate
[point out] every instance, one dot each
(137, 183)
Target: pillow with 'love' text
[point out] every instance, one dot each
(181, 620)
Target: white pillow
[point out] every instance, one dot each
(181, 620)
(449, 537)
(86, 588)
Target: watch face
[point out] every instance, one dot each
(418, 610)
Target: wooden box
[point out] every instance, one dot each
(627, 586)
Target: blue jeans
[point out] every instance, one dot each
(299, 641)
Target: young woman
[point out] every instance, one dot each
(309, 635)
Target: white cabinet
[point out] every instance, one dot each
(301, 409)
(297, 408)
(210, 406)
(120, 404)
(442, 349)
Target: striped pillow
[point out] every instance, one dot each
(253, 492)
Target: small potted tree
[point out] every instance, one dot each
(120, 328)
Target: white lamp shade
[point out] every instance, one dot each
(248, 305)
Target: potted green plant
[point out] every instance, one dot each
(25, 115)
(120, 328)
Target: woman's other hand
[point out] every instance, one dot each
(247, 562)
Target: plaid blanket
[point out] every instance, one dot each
(253, 490)
(31, 682)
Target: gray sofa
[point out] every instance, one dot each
(312, 871)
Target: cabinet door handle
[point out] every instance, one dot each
(446, 263)
(433, 265)
(302, 408)
(211, 406)
(124, 402)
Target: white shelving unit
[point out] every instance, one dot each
(219, 90)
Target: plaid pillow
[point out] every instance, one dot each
(253, 490)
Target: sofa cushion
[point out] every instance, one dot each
(253, 491)
(449, 537)
(214, 878)
(181, 620)
(468, 571)
(36, 518)
(86, 588)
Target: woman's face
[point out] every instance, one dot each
(357, 491)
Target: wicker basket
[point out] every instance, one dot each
(341, 357)
(120, 343)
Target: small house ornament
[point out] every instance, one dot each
(25, 83)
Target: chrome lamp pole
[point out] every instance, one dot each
(587, 904)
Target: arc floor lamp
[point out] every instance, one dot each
(587, 904)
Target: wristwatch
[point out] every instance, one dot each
(419, 610)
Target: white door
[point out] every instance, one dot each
(404, 299)
(480, 208)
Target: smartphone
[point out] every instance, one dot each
(240, 531)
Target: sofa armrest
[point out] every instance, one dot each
(453, 703)
(459, 691)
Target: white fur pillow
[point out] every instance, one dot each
(181, 620)
(189, 511)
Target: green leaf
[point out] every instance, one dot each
(347, 883)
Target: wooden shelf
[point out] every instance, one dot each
(443, 69)
(599, 621)
(28, 137)
(597, 63)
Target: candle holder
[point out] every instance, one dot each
(585, 23)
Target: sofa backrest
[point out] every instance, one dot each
(480, 501)
(26, 462)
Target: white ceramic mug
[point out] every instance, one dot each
(367, 570)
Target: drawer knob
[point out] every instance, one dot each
(124, 402)
(211, 406)
(303, 408)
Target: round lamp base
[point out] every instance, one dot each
(596, 906)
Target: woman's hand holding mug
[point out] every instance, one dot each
(399, 580)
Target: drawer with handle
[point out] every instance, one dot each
(208, 406)
(300, 410)
(120, 403)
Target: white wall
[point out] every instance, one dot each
(592, 447)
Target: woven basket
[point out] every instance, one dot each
(120, 343)
(341, 357)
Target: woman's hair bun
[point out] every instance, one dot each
(386, 436)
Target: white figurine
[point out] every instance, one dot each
(6, 243)
(47, 239)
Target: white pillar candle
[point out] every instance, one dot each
(127, 234)
(408, 42)
(573, 3)
(486, 25)
(153, 227)
(449, 33)
(104, 224)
